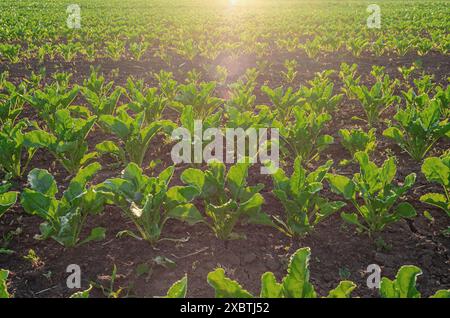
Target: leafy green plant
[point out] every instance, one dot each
(147, 101)
(356, 45)
(11, 101)
(167, 85)
(355, 140)
(303, 137)
(319, 97)
(290, 74)
(404, 285)
(111, 291)
(11, 52)
(376, 100)
(98, 94)
(7, 199)
(66, 139)
(3, 287)
(134, 135)
(149, 202)
(13, 148)
(348, 75)
(64, 218)
(178, 289)
(373, 194)
(438, 170)
(52, 99)
(295, 284)
(418, 129)
(300, 195)
(242, 96)
(138, 49)
(247, 119)
(200, 97)
(443, 95)
(115, 49)
(83, 294)
(227, 198)
(283, 101)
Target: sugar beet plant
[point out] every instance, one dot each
(417, 128)
(375, 100)
(7, 198)
(65, 139)
(227, 197)
(303, 137)
(404, 285)
(13, 150)
(133, 134)
(373, 194)
(100, 95)
(300, 195)
(149, 202)
(64, 218)
(51, 99)
(355, 140)
(437, 170)
(295, 284)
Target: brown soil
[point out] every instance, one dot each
(337, 251)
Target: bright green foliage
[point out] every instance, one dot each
(242, 97)
(247, 119)
(134, 135)
(290, 74)
(66, 139)
(227, 197)
(149, 202)
(13, 148)
(376, 100)
(11, 101)
(300, 196)
(355, 140)
(98, 94)
(303, 137)
(438, 170)
(404, 285)
(443, 95)
(225, 287)
(418, 129)
(82, 294)
(200, 97)
(146, 101)
(319, 96)
(348, 75)
(64, 218)
(52, 99)
(167, 85)
(374, 194)
(3, 288)
(294, 285)
(7, 199)
(178, 289)
(283, 100)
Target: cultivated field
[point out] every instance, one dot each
(354, 98)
